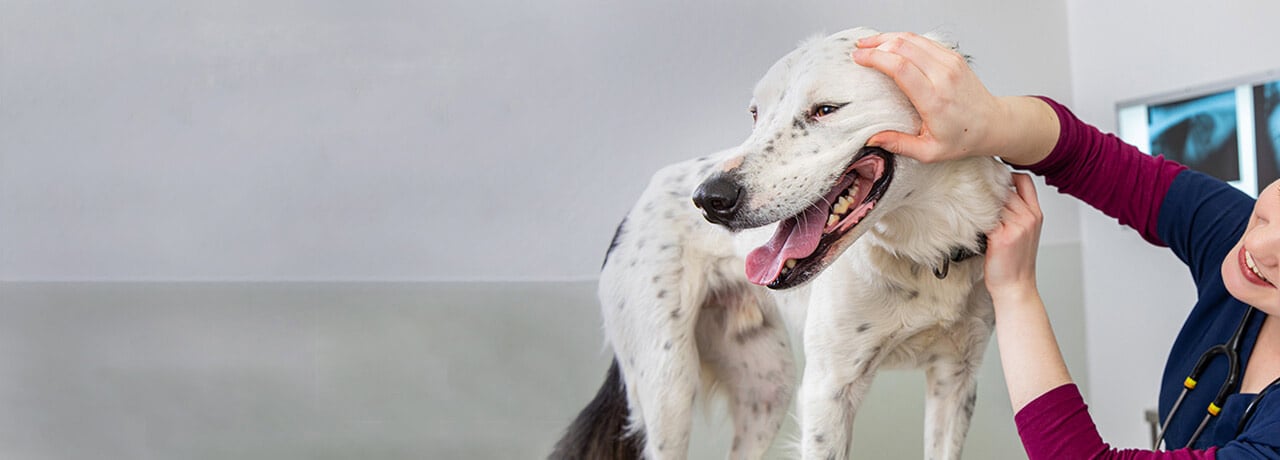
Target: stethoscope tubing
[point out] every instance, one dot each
(1230, 349)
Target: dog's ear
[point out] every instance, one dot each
(941, 38)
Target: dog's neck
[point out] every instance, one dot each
(941, 222)
(959, 254)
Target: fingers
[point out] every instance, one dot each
(880, 39)
(905, 73)
(932, 58)
(902, 144)
(1026, 190)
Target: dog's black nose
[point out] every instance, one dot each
(718, 199)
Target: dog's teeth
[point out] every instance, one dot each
(791, 263)
(853, 191)
(842, 206)
(832, 220)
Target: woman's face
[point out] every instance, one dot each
(1252, 269)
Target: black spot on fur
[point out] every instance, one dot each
(797, 123)
(600, 430)
(863, 327)
(819, 438)
(667, 345)
(617, 237)
(675, 314)
(768, 149)
(911, 295)
(969, 403)
(662, 293)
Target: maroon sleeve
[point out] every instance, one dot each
(1057, 425)
(1110, 175)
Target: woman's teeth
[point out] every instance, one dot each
(1248, 260)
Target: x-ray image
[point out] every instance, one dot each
(1266, 114)
(1200, 133)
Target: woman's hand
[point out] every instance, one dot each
(1029, 351)
(1011, 246)
(959, 117)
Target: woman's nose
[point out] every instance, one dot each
(1264, 246)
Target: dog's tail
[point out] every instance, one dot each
(600, 431)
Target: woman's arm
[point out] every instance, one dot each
(1052, 418)
(959, 117)
(1029, 352)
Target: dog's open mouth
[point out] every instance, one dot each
(803, 244)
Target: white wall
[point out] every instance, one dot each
(404, 140)
(1136, 296)
(385, 140)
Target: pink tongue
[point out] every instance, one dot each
(795, 239)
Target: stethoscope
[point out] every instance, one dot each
(1230, 349)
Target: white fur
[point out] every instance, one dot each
(680, 314)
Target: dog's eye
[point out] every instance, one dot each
(823, 110)
(754, 115)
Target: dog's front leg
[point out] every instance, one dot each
(951, 390)
(840, 365)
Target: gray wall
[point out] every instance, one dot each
(400, 140)
(144, 145)
(1137, 296)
